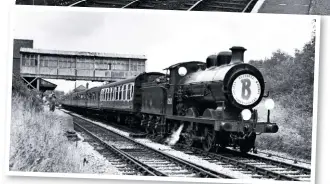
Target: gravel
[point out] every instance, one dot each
(97, 163)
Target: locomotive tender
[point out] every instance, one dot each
(213, 101)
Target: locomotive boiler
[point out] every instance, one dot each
(225, 82)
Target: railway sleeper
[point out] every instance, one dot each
(170, 171)
(155, 162)
(299, 176)
(184, 175)
(289, 172)
(174, 168)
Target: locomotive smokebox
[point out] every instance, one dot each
(237, 54)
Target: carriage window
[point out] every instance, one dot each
(132, 91)
(110, 94)
(106, 94)
(128, 94)
(124, 92)
(120, 92)
(113, 94)
(117, 93)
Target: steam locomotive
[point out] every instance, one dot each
(213, 101)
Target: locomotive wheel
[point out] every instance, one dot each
(209, 136)
(191, 112)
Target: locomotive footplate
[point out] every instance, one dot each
(231, 125)
(246, 126)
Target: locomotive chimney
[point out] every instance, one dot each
(87, 84)
(237, 54)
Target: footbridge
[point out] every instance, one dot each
(36, 64)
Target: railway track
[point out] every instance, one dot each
(146, 160)
(257, 166)
(124, 164)
(186, 5)
(271, 155)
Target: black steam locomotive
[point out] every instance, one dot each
(212, 102)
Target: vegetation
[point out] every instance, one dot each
(37, 140)
(290, 80)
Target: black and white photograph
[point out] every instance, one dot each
(163, 95)
(303, 7)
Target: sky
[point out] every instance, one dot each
(165, 37)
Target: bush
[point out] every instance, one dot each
(33, 97)
(290, 81)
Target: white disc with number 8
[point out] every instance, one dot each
(246, 89)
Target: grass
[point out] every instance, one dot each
(38, 143)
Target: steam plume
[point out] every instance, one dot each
(173, 139)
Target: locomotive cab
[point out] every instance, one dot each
(176, 73)
(180, 70)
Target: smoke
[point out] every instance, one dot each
(173, 139)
